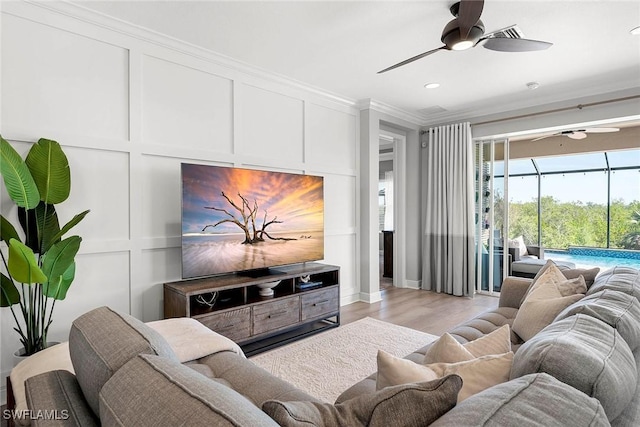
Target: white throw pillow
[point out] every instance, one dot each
(477, 374)
(448, 350)
(518, 242)
(550, 294)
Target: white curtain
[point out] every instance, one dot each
(448, 202)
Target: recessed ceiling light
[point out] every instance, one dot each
(432, 85)
(533, 85)
(635, 31)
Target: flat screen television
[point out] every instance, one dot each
(237, 220)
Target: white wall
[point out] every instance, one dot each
(128, 108)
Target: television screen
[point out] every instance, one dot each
(235, 220)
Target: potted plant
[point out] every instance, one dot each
(38, 269)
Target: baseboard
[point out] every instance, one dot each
(349, 299)
(371, 298)
(413, 284)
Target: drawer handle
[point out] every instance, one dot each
(324, 301)
(276, 314)
(224, 328)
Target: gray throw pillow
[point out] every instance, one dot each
(619, 310)
(403, 405)
(102, 340)
(585, 353)
(152, 391)
(530, 401)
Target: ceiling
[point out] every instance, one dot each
(338, 47)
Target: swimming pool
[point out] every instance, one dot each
(596, 257)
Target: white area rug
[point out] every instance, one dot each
(326, 364)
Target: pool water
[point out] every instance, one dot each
(595, 260)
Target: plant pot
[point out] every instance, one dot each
(19, 355)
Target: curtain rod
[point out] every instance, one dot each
(557, 110)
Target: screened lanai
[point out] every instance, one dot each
(583, 209)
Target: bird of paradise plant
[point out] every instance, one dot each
(38, 269)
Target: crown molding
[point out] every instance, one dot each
(381, 107)
(500, 108)
(92, 17)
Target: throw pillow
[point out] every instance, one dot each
(551, 294)
(569, 273)
(404, 405)
(477, 374)
(518, 243)
(448, 350)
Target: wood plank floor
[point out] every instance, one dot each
(425, 311)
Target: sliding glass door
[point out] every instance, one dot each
(491, 217)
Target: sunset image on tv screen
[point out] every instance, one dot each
(237, 219)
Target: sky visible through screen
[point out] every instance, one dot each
(585, 187)
(296, 200)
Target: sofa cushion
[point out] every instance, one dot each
(58, 393)
(404, 405)
(482, 325)
(102, 340)
(550, 294)
(250, 380)
(585, 353)
(477, 374)
(530, 401)
(447, 349)
(622, 279)
(156, 391)
(620, 310)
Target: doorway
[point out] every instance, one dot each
(390, 202)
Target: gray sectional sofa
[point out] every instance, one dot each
(582, 370)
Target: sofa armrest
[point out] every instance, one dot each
(55, 399)
(513, 290)
(536, 250)
(515, 254)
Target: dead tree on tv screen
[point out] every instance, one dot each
(248, 220)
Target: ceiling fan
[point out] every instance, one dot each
(467, 30)
(578, 133)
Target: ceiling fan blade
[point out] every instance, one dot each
(577, 135)
(545, 136)
(415, 58)
(601, 130)
(468, 15)
(506, 44)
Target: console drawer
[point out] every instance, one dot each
(319, 303)
(275, 315)
(235, 324)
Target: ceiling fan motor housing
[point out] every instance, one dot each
(451, 33)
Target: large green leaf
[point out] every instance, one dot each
(29, 224)
(23, 266)
(9, 294)
(61, 255)
(7, 230)
(50, 170)
(68, 226)
(58, 287)
(17, 178)
(48, 226)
